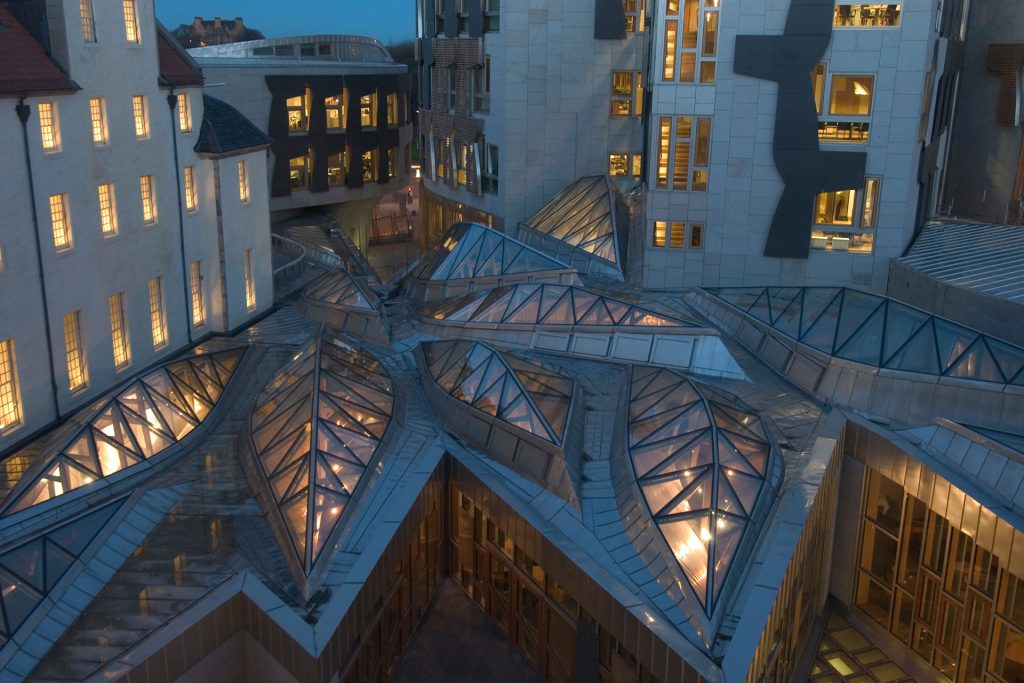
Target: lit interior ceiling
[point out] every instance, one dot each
(879, 331)
(315, 429)
(523, 393)
(702, 461)
(528, 304)
(154, 412)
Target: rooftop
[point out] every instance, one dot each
(25, 67)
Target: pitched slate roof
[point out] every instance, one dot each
(176, 67)
(24, 65)
(225, 129)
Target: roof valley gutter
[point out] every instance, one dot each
(23, 110)
(172, 100)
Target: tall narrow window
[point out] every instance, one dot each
(490, 169)
(818, 85)
(368, 110)
(334, 118)
(482, 86)
(392, 162)
(677, 235)
(681, 164)
(298, 114)
(369, 165)
(195, 282)
(119, 332)
(337, 166)
(867, 219)
(49, 126)
(622, 93)
(88, 21)
(184, 113)
(191, 195)
(243, 183)
(78, 369)
(98, 115)
(701, 154)
(10, 398)
(157, 320)
(148, 199)
(250, 283)
(108, 210)
(664, 140)
(696, 236)
(61, 221)
(668, 71)
(131, 22)
(141, 116)
(392, 102)
(659, 234)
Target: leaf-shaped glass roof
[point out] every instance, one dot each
(536, 304)
(151, 414)
(586, 215)
(315, 429)
(523, 393)
(702, 461)
(471, 250)
(878, 331)
(338, 288)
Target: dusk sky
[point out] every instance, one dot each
(386, 20)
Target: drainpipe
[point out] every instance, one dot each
(24, 111)
(172, 100)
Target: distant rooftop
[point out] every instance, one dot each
(984, 258)
(319, 48)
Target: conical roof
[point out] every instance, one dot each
(589, 215)
(472, 250)
(315, 429)
(154, 412)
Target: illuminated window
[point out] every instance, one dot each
(131, 22)
(298, 172)
(870, 203)
(836, 208)
(677, 235)
(866, 15)
(10, 397)
(157, 320)
(668, 71)
(184, 113)
(851, 95)
(148, 199)
(618, 164)
(368, 110)
(701, 155)
(622, 93)
(243, 183)
(664, 140)
(844, 218)
(119, 331)
(49, 126)
(250, 282)
(195, 284)
(141, 116)
(298, 113)
(392, 103)
(98, 116)
(88, 21)
(660, 228)
(108, 210)
(681, 163)
(334, 107)
(61, 221)
(337, 165)
(369, 165)
(78, 369)
(191, 195)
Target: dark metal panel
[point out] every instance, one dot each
(609, 20)
(476, 17)
(806, 170)
(451, 19)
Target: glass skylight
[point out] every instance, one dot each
(525, 394)
(315, 429)
(29, 571)
(879, 331)
(586, 215)
(472, 250)
(339, 289)
(702, 461)
(153, 413)
(548, 305)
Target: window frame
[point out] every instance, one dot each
(120, 340)
(140, 116)
(67, 241)
(157, 312)
(243, 182)
(147, 195)
(98, 119)
(10, 391)
(250, 282)
(132, 28)
(190, 189)
(49, 128)
(197, 298)
(88, 19)
(184, 113)
(108, 223)
(75, 352)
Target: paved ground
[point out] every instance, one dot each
(457, 643)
